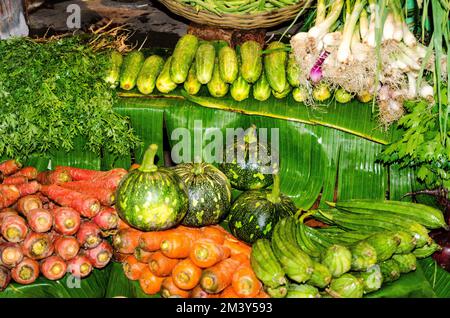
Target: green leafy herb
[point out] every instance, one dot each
(53, 92)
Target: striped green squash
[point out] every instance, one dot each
(151, 198)
(209, 193)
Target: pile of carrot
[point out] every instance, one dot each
(188, 262)
(55, 222)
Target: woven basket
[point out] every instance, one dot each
(237, 21)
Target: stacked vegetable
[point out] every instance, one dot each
(222, 69)
(368, 243)
(54, 222)
(186, 262)
(372, 53)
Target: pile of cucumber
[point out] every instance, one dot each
(222, 69)
(368, 243)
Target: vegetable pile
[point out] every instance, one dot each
(220, 7)
(368, 243)
(52, 94)
(373, 52)
(55, 222)
(222, 69)
(186, 262)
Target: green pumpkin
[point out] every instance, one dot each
(255, 213)
(209, 193)
(151, 198)
(247, 174)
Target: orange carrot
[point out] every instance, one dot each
(206, 253)
(217, 278)
(9, 167)
(236, 246)
(186, 274)
(176, 245)
(9, 194)
(122, 225)
(104, 179)
(150, 283)
(133, 268)
(151, 241)
(28, 203)
(228, 293)
(245, 283)
(15, 180)
(170, 290)
(198, 292)
(29, 172)
(141, 255)
(262, 294)
(28, 188)
(125, 241)
(161, 265)
(214, 233)
(53, 177)
(103, 195)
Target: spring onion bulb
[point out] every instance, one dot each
(316, 72)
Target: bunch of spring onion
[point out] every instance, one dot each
(364, 48)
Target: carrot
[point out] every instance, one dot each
(133, 268)
(66, 247)
(262, 294)
(103, 195)
(122, 225)
(217, 278)
(5, 213)
(15, 180)
(9, 167)
(40, 220)
(151, 241)
(236, 246)
(82, 203)
(150, 283)
(37, 246)
(100, 255)
(228, 293)
(119, 257)
(134, 166)
(28, 203)
(88, 235)
(141, 255)
(53, 177)
(66, 220)
(161, 265)
(170, 290)
(79, 266)
(28, 188)
(214, 233)
(10, 254)
(245, 283)
(178, 243)
(14, 228)
(206, 253)
(9, 194)
(186, 274)
(198, 292)
(29, 172)
(53, 268)
(107, 179)
(26, 272)
(5, 277)
(1, 177)
(107, 218)
(125, 241)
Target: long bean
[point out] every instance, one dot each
(220, 7)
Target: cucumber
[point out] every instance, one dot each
(321, 275)
(407, 242)
(293, 72)
(278, 292)
(217, 87)
(204, 62)
(426, 250)
(390, 270)
(131, 66)
(192, 85)
(428, 216)
(251, 61)
(146, 80)
(265, 265)
(113, 74)
(284, 93)
(164, 82)
(406, 262)
(300, 94)
(228, 64)
(262, 90)
(302, 291)
(183, 56)
(240, 89)
(275, 66)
